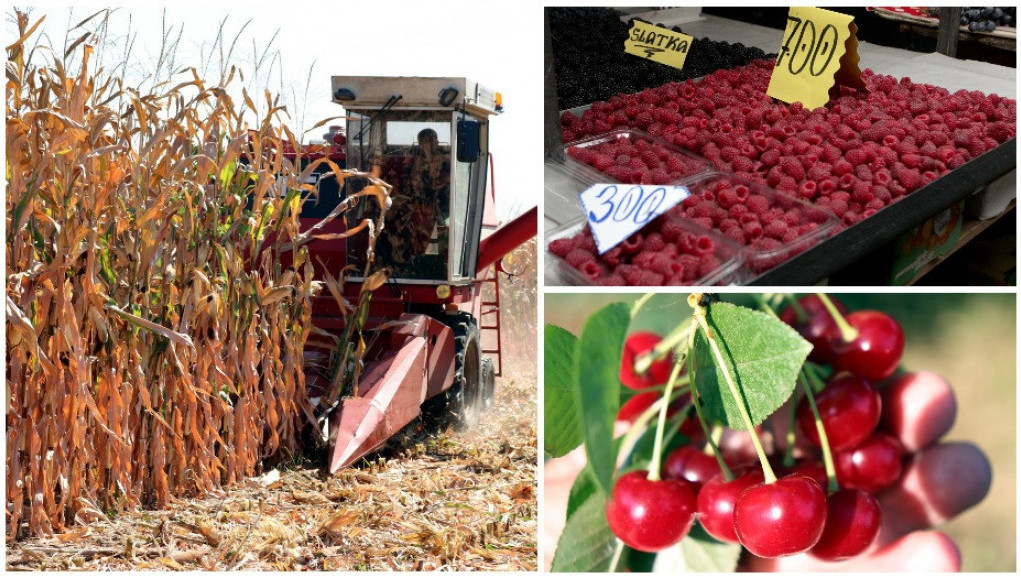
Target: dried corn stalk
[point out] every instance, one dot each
(158, 290)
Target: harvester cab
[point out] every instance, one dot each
(428, 138)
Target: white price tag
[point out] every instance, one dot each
(616, 211)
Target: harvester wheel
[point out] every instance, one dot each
(466, 393)
(488, 383)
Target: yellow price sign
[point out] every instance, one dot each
(820, 50)
(658, 44)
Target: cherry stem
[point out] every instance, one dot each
(811, 371)
(792, 419)
(847, 332)
(644, 361)
(827, 454)
(699, 314)
(657, 447)
(618, 549)
(639, 303)
(641, 422)
(727, 474)
(799, 310)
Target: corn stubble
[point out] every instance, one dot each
(154, 332)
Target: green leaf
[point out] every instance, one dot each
(598, 371)
(662, 314)
(586, 544)
(585, 485)
(698, 552)
(562, 429)
(763, 356)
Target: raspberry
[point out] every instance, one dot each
(656, 176)
(791, 167)
(671, 230)
(910, 178)
(650, 278)
(841, 167)
(976, 147)
(770, 157)
(827, 186)
(568, 136)
(577, 257)
(857, 156)
(838, 207)
(614, 280)
(775, 229)
(742, 164)
(703, 222)
(862, 192)
(661, 263)
(602, 162)
(632, 244)
(881, 177)
(757, 204)
(753, 230)
(560, 246)
(612, 257)
(707, 265)
(630, 274)
(807, 189)
(863, 171)
(592, 270)
(999, 131)
(704, 209)
(654, 243)
(735, 233)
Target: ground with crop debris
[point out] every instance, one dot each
(457, 500)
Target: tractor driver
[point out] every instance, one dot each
(430, 187)
(425, 202)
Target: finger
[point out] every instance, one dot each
(936, 485)
(918, 408)
(916, 552)
(557, 478)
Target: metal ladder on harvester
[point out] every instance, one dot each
(491, 308)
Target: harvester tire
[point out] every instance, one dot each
(466, 393)
(488, 383)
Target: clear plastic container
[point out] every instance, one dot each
(786, 226)
(701, 257)
(656, 161)
(563, 184)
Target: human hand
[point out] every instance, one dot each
(939, 481)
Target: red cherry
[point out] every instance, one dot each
(813, 469)
(852, 524)
(636, 405)
(639, 403)
(650, 515)
(874, 465)
(716, 500)
(849, 407)
(817, 327)
(691, 464)
(658, 373)
(875, 353)
(782, 518)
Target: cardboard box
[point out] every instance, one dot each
(926, 243)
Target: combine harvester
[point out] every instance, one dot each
(428, 138)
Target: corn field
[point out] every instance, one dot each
(158, 289)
